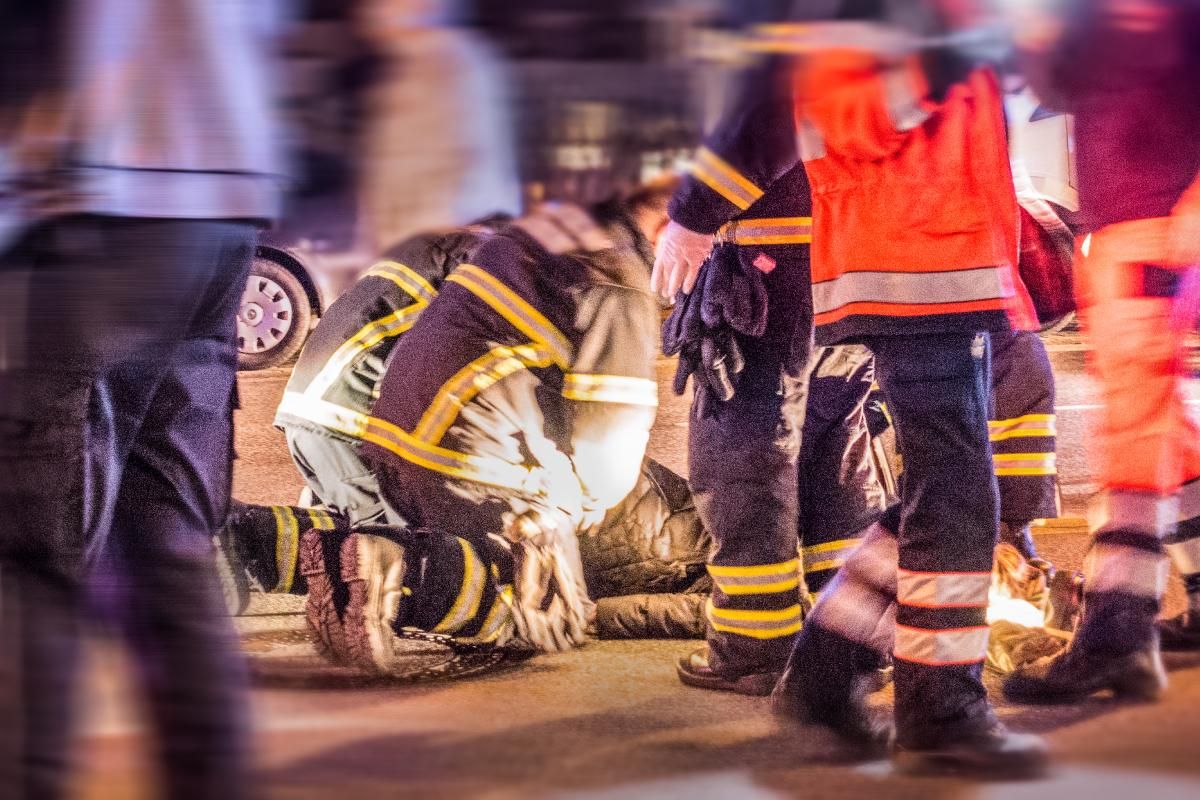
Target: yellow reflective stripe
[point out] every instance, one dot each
(758, 588)
(764, 569)
(467, 383)
(1028, 426)
(826, 547)
(287, 545)
(320, 519)
(498, 617)
(406, 278)
(767, 231)
(1025, 463)
(508, 304)
(491, 471)
(329, 415)
(371, 334)
(757, 624)
(466, 605)
(827, 564)
(943, 589)
(610, 389)
(718, 175)
(941, 647)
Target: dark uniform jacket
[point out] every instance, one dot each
(338, 373)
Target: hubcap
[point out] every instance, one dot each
(266, 316)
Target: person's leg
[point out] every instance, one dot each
(840, 492)
(173, 496)
(336, 473)
(1022, 431)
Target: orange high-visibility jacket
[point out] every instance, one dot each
(915, 220)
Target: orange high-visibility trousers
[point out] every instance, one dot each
(1146, 440)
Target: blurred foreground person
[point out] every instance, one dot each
(778, 446)
(884, 129)
(1116, 64)
(136, 165)
(511, 417)
(438, 142)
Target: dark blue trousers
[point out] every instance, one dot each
(117, 389)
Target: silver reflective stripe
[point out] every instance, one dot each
(1130, 570)
(757, 579)
(756, 624)
(1186, 556)
(1025, 463)
(917, 288)
(941, 648)
(321, 412)
(1143, 512)
(944, 589)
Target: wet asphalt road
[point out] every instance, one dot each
(610, 720)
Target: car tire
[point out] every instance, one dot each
(274, 317)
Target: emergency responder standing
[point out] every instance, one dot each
(1116, 64)
(136, 162)
(744, 333)
(914, 240)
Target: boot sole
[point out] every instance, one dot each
(965, 764)
(759, 684)
(372, 568)
(320, 611)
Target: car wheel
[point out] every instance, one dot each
(274, 317)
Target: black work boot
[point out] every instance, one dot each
(1181, 632)
(694, 670)
(972, 745)
(1113, 650)
(826, 684)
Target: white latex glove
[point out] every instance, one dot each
(677, 261)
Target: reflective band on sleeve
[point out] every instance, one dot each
(1130, 570)
(472, 379)
(372, 334)
(470, 593)
(406, 278)
(1025, 463)
(761, 579)
(1186, 556)
(780, 230)
(1144, 512)
(909, 288)
(1028, 426)
(827, 555)
(508, 304)
(941, 648)
(943, 589)
(610, 389)
(756, 624)
(287, 545)
(717, 174)
(491, 471)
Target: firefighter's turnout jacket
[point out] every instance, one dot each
(338, 373)
(527, 385)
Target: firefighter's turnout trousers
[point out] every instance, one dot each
(744, 455)
(918, 583)
(1022, 427)
(1147, 448)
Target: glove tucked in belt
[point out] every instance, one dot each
(729, 299)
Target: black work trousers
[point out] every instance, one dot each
(117, 388)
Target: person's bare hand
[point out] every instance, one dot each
(680, 254)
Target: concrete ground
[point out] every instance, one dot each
(610, 720)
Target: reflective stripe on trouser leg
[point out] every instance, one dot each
(936, 388)
(857, 604)
(1022, 427)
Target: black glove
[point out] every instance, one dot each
(710, 355)
(733, 293)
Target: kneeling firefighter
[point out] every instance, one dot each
(512, 414)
